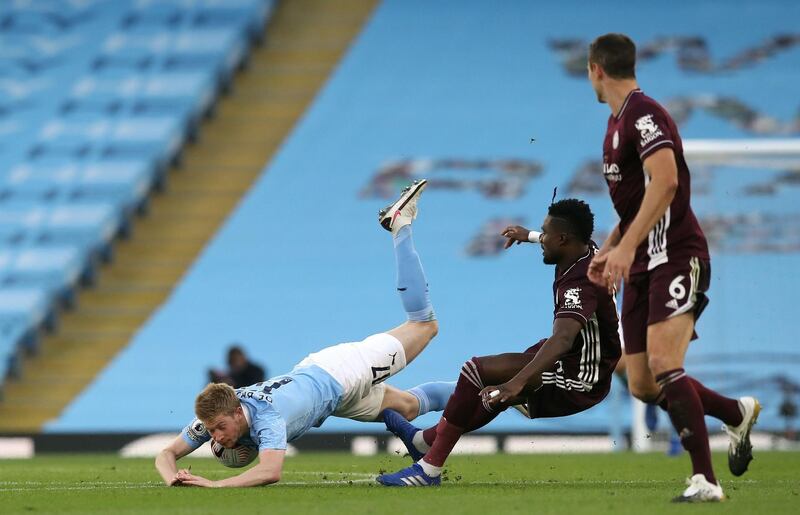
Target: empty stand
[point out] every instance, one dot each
(234, 145)
(99, 100)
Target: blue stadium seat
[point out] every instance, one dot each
(22, 312)
(89, 130)
(56, 269)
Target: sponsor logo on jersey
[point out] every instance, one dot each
(648, 129)
(572, 298)
(197, 431)
(615, 140)
(673, 304)
(611, 172)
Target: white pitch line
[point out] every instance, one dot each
(285, 473)
(32, 486)
(65, 483)
(86, 487)
(145, 486)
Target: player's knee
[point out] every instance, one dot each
(428, 329)
(647, 393)
(405, 403)
(659, 364)
(409, 410)
(433, 328)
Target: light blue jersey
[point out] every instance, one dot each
(281, 409)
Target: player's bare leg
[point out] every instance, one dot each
(641, 381)
(621, 369)
(400, 401)
(409, 404)
(642, 384)
(667, 342)
(415, 336)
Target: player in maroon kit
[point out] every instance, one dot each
(564, 374)
(660, 252)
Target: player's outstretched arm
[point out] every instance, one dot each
(166, 461)
(517, 234)
(564, 332)
(268, 471)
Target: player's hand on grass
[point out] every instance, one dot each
(505, 392)
(515, 233)
(189, 479)
(617, 267)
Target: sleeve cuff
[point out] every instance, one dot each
(572, 314)
(666, 143)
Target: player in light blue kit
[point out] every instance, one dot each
(346, 380)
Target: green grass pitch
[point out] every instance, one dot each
(343, 484)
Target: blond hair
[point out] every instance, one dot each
(215, 399)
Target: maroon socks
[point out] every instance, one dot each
(722, 408)
(686, 412)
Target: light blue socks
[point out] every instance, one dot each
(411, 281)
(433, 396)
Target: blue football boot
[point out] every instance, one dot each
(411, 476)
(404, 430)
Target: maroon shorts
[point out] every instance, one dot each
(668, 290)
(561, 393)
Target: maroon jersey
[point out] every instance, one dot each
(596, 349)
(642, 127)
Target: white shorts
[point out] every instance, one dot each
(361, 368)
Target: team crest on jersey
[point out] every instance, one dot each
(648, 129)
(615, 140)
(572, 298)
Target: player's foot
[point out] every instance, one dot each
(404, 430)
(404, 209)
(700, 490)
(411, 476)
(740, 450)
